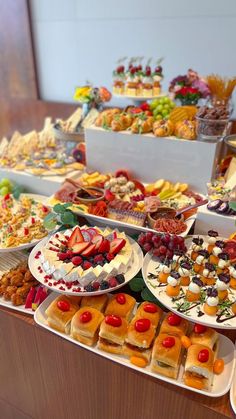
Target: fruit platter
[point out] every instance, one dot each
(119, 199)
(19, 290)
(85, 260)
(143, 338)
(21, 221)
(193, 278)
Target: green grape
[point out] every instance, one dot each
(4, 191)
(159, 108)
(158, 117)
(5, 182)
(166, 106)
(162, 101)
(166, 99)
(154, 104)
(172, 105)
(165, 112)
(167, 116)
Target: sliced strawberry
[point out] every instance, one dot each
(78, 248)
(97, 240)
(104, 246)
(116, 245)
(109, 196)
(76, 237)
(90, 249)
(86, 235)
(92, 231)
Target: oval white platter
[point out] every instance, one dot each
(36, 197)
(233, 389)
(149, 267)
(221, 383)
(129, 274)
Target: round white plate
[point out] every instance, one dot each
(233, 390)
(192, 311)
(39, 198)
(129, 274)
(221, 383)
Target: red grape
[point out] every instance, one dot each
(165, 239)
(147, 247)
(169, 254)
(156, 252)
(149, 236)
(142, 239)
(162, 250)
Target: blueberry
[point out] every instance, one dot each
(104, 285)
(89, 288)
(120, 278)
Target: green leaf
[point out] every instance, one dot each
(50, 221)
(68, 218)
(67, 205)
(17, 190)
(137, 284)
(232, 205)
(147, 295)
(59, 208)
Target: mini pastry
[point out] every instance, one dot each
(164, 271)
(96, 301)
(197, 245)
(85, 325)
(60, 312)
(174, 325)
(142, 125)
(222, 286)
(147, 83)
(212, 238)
(184, 271)
(173, 287)
(232, 271)
(163, 128)
(166, 355)
(149, 311)
(208, 274)
(193, 292)
(113, 331)
(140, 336)
(217, 249)
(200, 260)
(223, 263)
(205, 336)
(211, 304)
(199, 367)
(121, 305)
(186, 129)
(121, 122)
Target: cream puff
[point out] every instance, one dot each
(208, 274)
(185, 271)
(232, 272)
(217, 249)
(211, 304)
(200, 261)
(193, 292)
(197, 245)
(164, 271)
(222, 285)
(211, 239)
(173, 287)
(223, 263)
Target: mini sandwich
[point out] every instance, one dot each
(96, 301)
(140, 336)
(174, 325)
(85, 325)
(61, 311)
(121, 305)
(149, 311)
(166, 355)
(199, 367)
(113, 331)
(205, 336)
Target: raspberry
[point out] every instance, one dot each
(96, 285)
(113, 282)
(77, 260)
(98, 258)
(109, 257)
(86, 265)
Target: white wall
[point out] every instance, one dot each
(79, 40)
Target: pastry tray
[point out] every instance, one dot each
(221, 383)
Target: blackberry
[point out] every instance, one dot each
(89, 288)
(120, 278)
(104, 285)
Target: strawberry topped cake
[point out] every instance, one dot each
(85, 259)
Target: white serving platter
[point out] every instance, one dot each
(129, 274)
(149, 266)
(233, 390)
(40, 198)
(139, 98)
(221, 383)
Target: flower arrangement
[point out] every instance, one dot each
(91, 97)
(189, 88)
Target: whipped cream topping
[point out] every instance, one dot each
(165, 269)
(194, 288)
(207, 273)
(178, 258)
(232, 271)
(173, 281)
(183, 271)
(212, 301)
(200, 259)
(196, 247)
(216, 250)
(212, 240)
(223, 263)
(221, 285)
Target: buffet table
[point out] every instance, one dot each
(45, 376)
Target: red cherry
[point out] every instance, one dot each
(63, 305)
(173, 319)
(121, 299)
(168, 342)
(203, 355)
(150, 308)
(142, 325)
(113, 320)
(199, 328)
(26, 231)
(85, 317)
